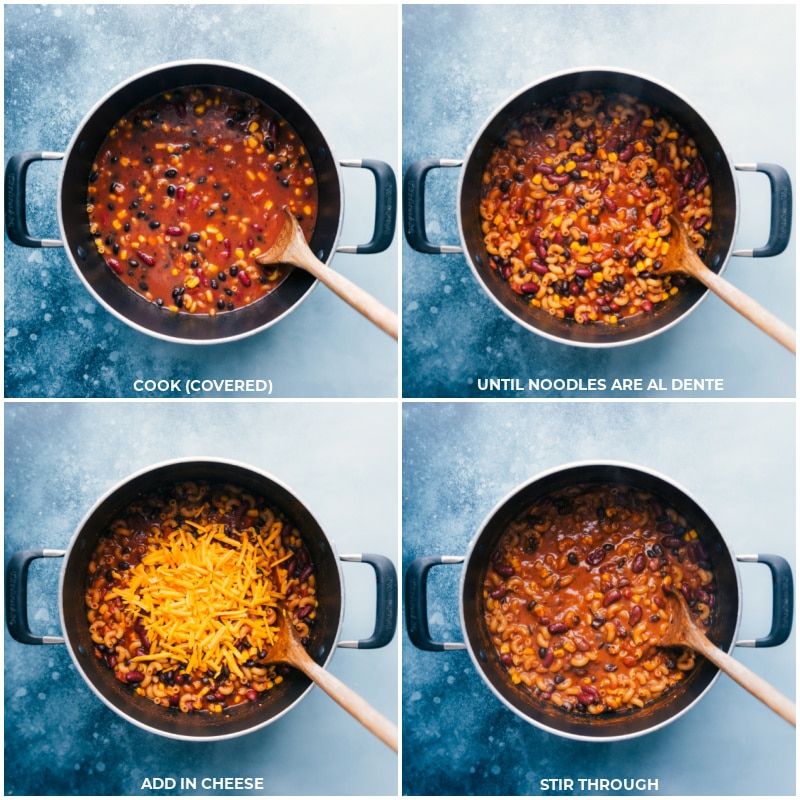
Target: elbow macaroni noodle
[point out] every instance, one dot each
(573, 598)
(183, 594)
(576, 204)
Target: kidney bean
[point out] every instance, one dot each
(596, 557)
(547, 658)
(665, 527)
(626, 153)
(180, 194)
(556, 628)
(306, 573)
(507, 659)
(115, 265)
(701, 184)
(699, 223)
(529, 288)
(505, 570)
(610, 205)
(134, 677)
(559, 180)
(539, 268)
(558, 238)
(545, 169)
(541, 250)
(635, 615)
(499, 591)
(701, 595)
(639, 563)
(244, 278)
(305, 611)
(147, 258)
(583, 272)
(611, 597)
(656, 215)
(672, 542)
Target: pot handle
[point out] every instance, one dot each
(416, 601)
(414, 210)
(386, 601)
(16, 217)
(780, 225)
(782, 600)
(385, 207)
(17, 596)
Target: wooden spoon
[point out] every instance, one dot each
(288, 649)
(684, 631)
(681, 257)
(291, 248)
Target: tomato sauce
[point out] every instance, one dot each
(573, 598)
(189, 188)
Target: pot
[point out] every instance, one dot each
(90, 266)
(477, 642)
(272, 705)
(723, 187)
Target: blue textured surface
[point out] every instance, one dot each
(461, 63)
(460, 460)
(339, 459)
(341, 61)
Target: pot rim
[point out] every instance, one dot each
(189, 462)
(498, 111)
(479, 665)
(75, 138)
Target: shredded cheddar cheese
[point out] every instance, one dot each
(200, 598)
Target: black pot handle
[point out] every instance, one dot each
(16, 217)
(415, 595)
(17, 596)
(782, 600)
(414, 205)
(386, 601)
(385, 207)
(780, 225)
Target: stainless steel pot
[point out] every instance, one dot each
(169, 722)
(522, 702)
(128, 305)
(723, 186)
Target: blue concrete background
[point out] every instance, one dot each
(339, 60)
(340, 459)
(734, 63)
(461, 459)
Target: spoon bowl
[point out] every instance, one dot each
(681, 258)
(291, 247)
(684, 631)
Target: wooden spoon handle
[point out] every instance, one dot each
(371, 719)
(359, 299)
(748, 308)
(746, 678)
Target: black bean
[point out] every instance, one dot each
(171, 173)
(194, 237)
(155, 224)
